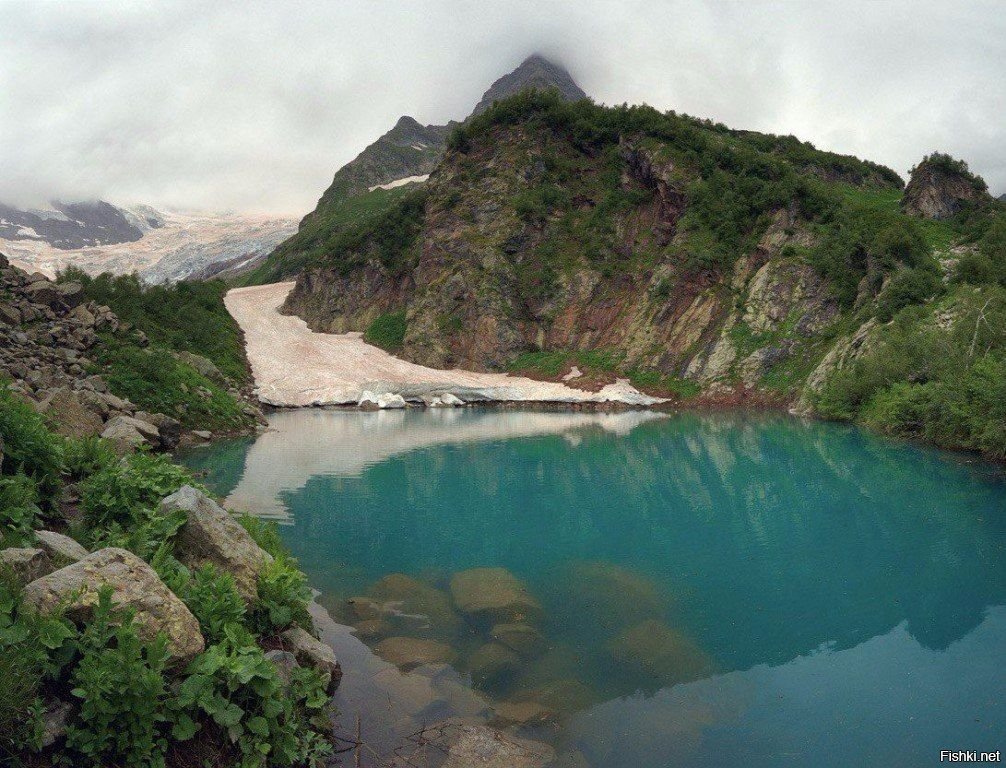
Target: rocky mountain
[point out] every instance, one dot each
(941, 186)
(167, 246)
(404, 156)
(536, 72)
(656, 244)
(76, 225)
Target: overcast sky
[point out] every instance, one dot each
(253, 106)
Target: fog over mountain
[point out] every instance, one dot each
(251, 106)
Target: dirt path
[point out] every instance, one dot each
(294, 366)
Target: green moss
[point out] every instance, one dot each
(387, 331)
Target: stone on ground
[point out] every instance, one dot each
(26, 563)
(211, 535)
(70, 416)
(56, 545)
(311, 652)
(135, 585)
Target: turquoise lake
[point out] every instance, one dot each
(715, 589)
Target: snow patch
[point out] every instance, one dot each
(401, 182)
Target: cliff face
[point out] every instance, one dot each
(940, 187)
(527, 241)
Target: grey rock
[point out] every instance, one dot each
(494, 594)
(69, 414)
(56, 545)
(135, 585)
(54, 722)
(479, 746)
(26, 563)
(285, 663)
(311, 652)
(211, 535)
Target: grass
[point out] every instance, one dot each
(552, 363)
(387, 331)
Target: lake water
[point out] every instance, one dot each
(699, 589)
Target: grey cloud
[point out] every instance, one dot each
(253, 106)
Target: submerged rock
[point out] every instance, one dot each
(410, 652)
(521, 713)
(493, 594)
(134, 585)
(567, 695)
(661, 652)
(492, 663)
(212, 535)
(425, 608)
(521, 638)
(479, 746)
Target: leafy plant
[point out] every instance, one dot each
(240, 693)
(19, 509)
(387, 331)
(282, 599)
(28, 445)
(122, 691)
(214, 601)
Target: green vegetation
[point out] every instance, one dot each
(952, 166)
(387, 331)
(322, 232)
(182, 317)
(159, 382)
(133, 706)
(552, 363)
(943, 385)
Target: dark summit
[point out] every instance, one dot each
(536, 72)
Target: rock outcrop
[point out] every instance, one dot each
(134, 585)
(311, 652)
(47, 332)
(940, 186)
(212, 536)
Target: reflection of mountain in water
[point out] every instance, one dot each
(774, 537)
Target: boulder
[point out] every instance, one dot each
(521, 713)
(384, 400)
(661, 652)
(70, 294)
(363, 609)
(26, 563)
(212, 535)
(70, 416)
(135, 585)
(523, 639)
(169, 430)
(410, 652)
(425, 607)
(479, 746)
(126, 433)
(55, 720)
(311, 652)
(492, 663)
(45, 292)
(493, 594)
(204, 366)
(60, 547)
(284, 662)
(9, 315)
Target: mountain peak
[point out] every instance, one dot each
(534, 72)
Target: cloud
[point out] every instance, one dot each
(253, 106)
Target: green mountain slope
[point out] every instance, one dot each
(689, 256)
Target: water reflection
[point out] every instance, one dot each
(684, 586)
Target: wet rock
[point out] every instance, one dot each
(363, 609)
(492, 664)
(69, 415)
(60, 547)
(311, 652)
(26, 563)
(521, 713)
(493, 594)
(479, 746)
(212, 535)
(414, 693)
(370, 630)
(523, 639)
(661, 652)
(134, 585)
(426, 609)
(410, 652)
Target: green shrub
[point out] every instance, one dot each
(907, 287)
(155, 380)
(33, 649)
(88, 455)
(234, 690)
(123, 693)
(265, 533)
(283, 596)
(187, 316)
(28, 445)
(387, 331)
(214, 601)
(19, 510)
